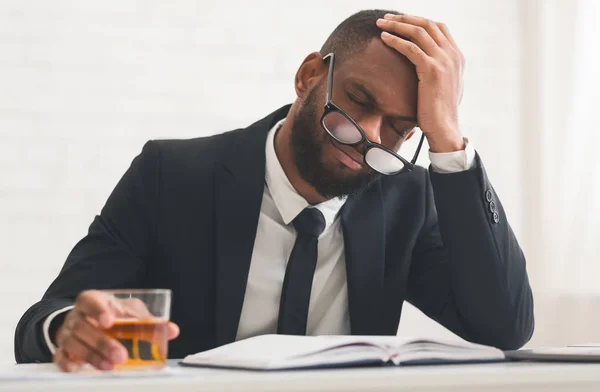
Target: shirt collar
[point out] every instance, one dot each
(287, 200)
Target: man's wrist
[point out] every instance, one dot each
(454, 162)
(446, 144)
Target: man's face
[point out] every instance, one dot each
(373, 87)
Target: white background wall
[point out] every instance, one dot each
(83, 84)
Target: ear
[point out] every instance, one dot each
(309, 73)
(410, 134)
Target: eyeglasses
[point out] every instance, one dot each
(341, 127)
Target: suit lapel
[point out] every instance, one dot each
(364, 244)
(239, 186)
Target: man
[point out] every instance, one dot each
(306, 222)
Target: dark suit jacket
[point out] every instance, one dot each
(184, 217)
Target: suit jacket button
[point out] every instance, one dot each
(496, 217)
(492, 206)
(488, 195)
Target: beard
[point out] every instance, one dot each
(308, 139)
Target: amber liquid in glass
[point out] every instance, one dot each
(145, 340)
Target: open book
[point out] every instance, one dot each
(278, 352)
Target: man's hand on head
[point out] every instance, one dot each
(439, 64)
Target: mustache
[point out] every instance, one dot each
(355, 156)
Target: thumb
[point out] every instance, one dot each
(173, 330)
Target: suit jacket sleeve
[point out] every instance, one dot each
(468, 271)
(113, 254)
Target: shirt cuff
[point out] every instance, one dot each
(453, 162)
(46, 327)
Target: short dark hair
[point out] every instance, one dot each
(354, 34)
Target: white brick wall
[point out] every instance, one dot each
(83, 84)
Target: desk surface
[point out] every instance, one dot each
(484, 377)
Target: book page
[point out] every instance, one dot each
(261, 351)
(286, 351)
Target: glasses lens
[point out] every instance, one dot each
(383, 161)
(341, 128)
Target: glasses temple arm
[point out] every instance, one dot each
(414, 160)
(328, 91)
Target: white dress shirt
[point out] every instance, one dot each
(275, 237)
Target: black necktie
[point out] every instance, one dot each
(297, 284)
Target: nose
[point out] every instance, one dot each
(372, 127)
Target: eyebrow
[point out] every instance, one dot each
(372, 100)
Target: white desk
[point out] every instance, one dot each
(464, 378)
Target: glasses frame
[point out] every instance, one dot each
(332, 107)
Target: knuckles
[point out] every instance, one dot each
(419, 32)
(430, 25)
(442, 26)
(77, 325)
(83, 297)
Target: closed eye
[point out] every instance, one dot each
(358, 102)
(402, 132)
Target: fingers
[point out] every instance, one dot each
(85, 343)
(97, 305)
(104, 308)
(433, 38)
(421, 25)
(418, 34)
(81, 351)
(134, 307)
(407, 48)
(80, 328)
(444, 29)
(62, 360)
(173, 330)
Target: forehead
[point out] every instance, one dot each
(387, 74)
